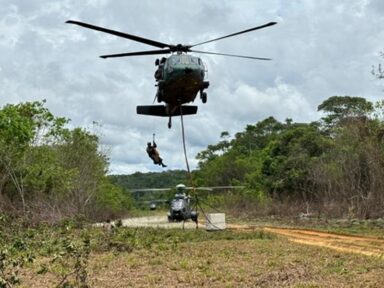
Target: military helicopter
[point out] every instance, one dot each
(181, 206)
(179, 77)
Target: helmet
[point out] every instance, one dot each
(149, 144)
(180, 188)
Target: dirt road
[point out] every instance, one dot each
(344, 243)
(365, 245)
(369, 246)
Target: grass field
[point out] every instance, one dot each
(147, 257)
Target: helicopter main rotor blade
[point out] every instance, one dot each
(150, 189)
(238, 33)
(139, 53)
(120, 34)
(231, 55)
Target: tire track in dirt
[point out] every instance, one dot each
(365, 245)
(344, 243)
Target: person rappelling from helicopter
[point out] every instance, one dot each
(153, 153)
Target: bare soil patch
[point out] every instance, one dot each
(344, 243)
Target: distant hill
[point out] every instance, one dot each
(140, 180)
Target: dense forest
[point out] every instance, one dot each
(49, 172)
(333, 166)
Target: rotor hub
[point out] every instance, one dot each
(179, 48)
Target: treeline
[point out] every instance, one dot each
(49, 172)
(333, 166)
(139, 180)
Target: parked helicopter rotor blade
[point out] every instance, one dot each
(151, 189)
(199, 188)
(238, 33)
(120, 34)
(231, 55)
(139, 53)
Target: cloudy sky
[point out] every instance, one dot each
(319, 48)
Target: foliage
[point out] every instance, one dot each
(140, 180)
(15, 252)
(73, 261)
(287, 161)
(336, 162)
(111, 200)
(23, 127)
(13, 258)
(49, 172)
(80, 154)
(340, 109)
(63, 251)
(378, 70)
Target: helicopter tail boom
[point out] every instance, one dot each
(164, 111)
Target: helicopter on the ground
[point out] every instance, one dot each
(182, 207)
(179, 77)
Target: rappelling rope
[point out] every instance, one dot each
(185, 149)
(186, 158)
(190, 174)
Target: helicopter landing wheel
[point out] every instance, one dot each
(203, 97)
(159, 96)
(170, 122)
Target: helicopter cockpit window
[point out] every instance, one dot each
(184, 59)
(195, 61)
(179, 196)
(174, 60)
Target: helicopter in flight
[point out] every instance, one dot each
(180, 77)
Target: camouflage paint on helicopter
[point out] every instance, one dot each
(180, 74)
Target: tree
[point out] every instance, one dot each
(340, 109)
(23, 127)
(214, 151)
(257, 137)
(111, 200)
(79, 153)
(378, 71)
(287, 160)
(351, 173)
(47, 170)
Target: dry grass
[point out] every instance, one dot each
(216, 262)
